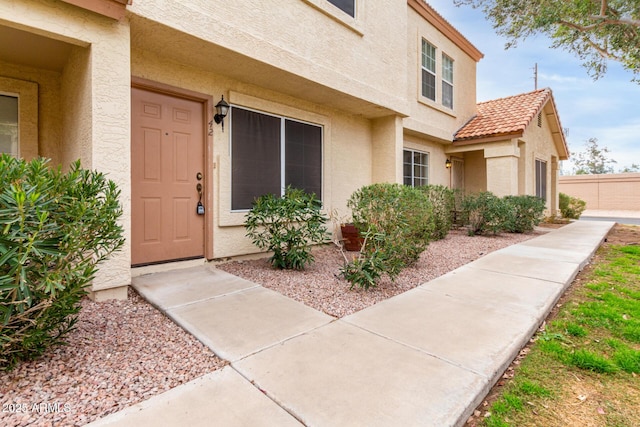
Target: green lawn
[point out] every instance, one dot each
(584, 368)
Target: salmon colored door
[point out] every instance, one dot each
(167, 165)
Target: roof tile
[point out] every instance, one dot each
(504, 116)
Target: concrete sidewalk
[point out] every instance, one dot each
(426, 357)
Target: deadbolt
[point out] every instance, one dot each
(199, 176)
(199, 188)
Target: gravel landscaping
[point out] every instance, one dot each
(123, 352)
(320, 286)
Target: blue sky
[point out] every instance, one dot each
(607, 109)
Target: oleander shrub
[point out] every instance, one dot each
(55, 228)
(571, 207)
(524, 213)
(443, 204)
(288, 226)
(396, 222)
(485, 213)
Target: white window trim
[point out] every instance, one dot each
(434, 73)
(447, 81)
(413, 150)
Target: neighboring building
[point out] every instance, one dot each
(328, 95)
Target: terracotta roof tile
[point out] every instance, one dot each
(504, 116)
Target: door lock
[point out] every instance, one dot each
(199, 176)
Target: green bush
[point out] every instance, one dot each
(396, 222)
(443, 204)
(485, 213)
(54, 229)
(287, 226)
(524, 213)
(571, 207)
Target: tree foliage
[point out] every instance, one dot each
(594, 30)
(593, 160)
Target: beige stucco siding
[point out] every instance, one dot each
(431, 117)
(94, 93)
(39, 91)
(347, 142)
(260, 42)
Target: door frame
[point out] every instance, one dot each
(209, 165)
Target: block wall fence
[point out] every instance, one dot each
(607, 191)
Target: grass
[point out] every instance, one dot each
(584, 368)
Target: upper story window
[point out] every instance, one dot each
(270, 152)
(415, 167)
(9, 125)
(347, 6)
(447, 81)
(428, 70)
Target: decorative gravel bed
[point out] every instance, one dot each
(121, 352)
(320, 286)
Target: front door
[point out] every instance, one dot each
(167, 163)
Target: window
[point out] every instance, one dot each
(428, 70)
(415, 168)
(268, 153)
(347, 6)
(9, 125)
(541, 179)
(447, 81)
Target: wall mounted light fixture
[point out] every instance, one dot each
(447, 164)
(222, 108)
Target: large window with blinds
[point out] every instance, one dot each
(269, 153)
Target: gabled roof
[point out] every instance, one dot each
(510, 117)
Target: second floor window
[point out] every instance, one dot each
(347, 6)
(428, 70)
(447, 81)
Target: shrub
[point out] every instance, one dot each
(571, 207)
(485, 212)
(524, 213)
(54, 230)
(443, 204)
(287, 226)
(396, 222)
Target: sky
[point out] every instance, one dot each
(607, 109)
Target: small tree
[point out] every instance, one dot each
(593, 160)
(594, 30)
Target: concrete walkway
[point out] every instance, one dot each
(426, 357)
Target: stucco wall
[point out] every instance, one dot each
(307, 39)
(609, 191)
(347, 144)
(47, 108)
(100, 135)
(475, 172)
(426, 116)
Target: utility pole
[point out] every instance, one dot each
(535, 75)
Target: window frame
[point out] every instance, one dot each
(424, 68)
(445, 71)
(541, 178)
(355, 6)
(413, 164)
(28, 121)
(15, 96)
(282, 147)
